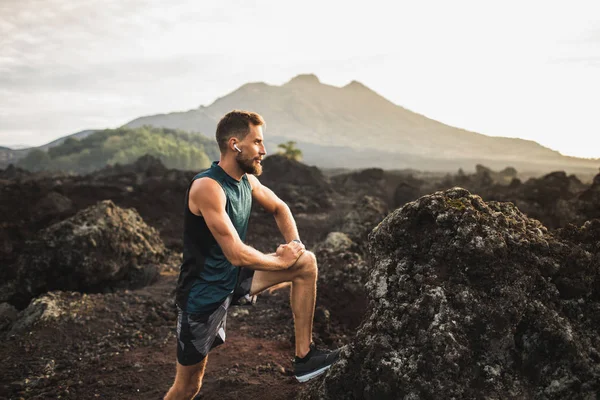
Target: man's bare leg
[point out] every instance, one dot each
(188, 381)
(303, 276)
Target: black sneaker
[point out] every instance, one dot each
(314, 363)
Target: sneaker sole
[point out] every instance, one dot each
(311, 375)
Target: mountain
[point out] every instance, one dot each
(354, 127)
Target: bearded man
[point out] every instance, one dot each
(219, 270)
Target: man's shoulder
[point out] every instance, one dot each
(253, 181)
(206, 187)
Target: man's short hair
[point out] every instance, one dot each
(236, 123)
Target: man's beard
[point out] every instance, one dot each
(249, 165)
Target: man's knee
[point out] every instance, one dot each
(308, 265)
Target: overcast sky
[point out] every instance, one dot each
(528, 69)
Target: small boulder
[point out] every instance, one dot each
(44, 309)
(336, 242)
(100, 248)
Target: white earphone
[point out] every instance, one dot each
(237, 148)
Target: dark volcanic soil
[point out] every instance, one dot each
(136, 361)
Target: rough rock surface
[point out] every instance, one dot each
(589, 200)
(471, 300)
(302, 187)
(8, 315)
(98, 249)
(555, 198)
(404, 193)
(44, 309)
(342, 277)
(53, 203)
(366, 213)
(370, 181)
(336, 242)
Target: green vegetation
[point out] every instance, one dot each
(290, 151)
(456, 203)
(176, 149)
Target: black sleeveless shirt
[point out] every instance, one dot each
(206, 277)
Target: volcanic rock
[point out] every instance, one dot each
(471, 300)
(8, 314)
(404, 193)
(302, 187)
(280, 169)
(336, 242)
(11, 172)
(340, 265)
(53, 203)
(366, 213)
(46, 308)
(100, 248)
(342, 277)
(145, 166)
(370, 181)
(589, 200)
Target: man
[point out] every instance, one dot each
(219, 270)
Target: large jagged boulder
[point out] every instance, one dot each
(100, 248)
(473, 300)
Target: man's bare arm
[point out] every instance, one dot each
(273, 204)
(208, 199)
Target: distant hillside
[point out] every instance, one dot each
(354, 127)
(176, 149)
(13, 155)
(59, 141)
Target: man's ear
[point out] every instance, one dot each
(233, 145)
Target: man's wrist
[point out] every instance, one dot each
(297, 241)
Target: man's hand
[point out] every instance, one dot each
(290, 253)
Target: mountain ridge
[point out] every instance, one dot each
(316, 114)
(354, 127)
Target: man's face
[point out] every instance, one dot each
(253, 151)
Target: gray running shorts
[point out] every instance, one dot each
(197, 334)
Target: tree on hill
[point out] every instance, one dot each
(290, 151)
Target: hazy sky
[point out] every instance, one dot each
(527, 69)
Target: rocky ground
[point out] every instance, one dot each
(452, 297)
(111, 340)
